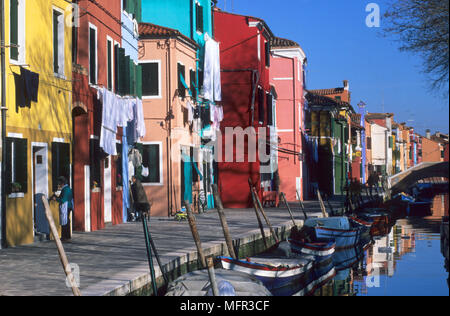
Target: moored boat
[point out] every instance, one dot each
(345, 233)
(317, 249)
(279, 275)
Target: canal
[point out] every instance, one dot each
(407, 261)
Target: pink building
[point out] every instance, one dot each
(287, 76)
(168, 61)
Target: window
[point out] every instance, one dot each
(60, 163)
(110, 63)
(199, 17)
(95, 163)
(269, 109)
(369, 143)
(92, 54)
(193, 78)
(58, 42)
(16, 165)
(17, 30)
(267, 48)
(152, 159)
(119, 168)
(261, 112)
(338, 98)
(181, 85)
(151, 79)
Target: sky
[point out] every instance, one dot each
(340, 46)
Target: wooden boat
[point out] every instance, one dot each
(345, 233)
(347, 258)
(317, 249)
(279, 275)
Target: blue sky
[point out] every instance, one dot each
(340, 46)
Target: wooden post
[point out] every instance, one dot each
(223, 221)
(301, 205)
(149, 254)
(212, 276)
(261, 228)
(289, 209)
(322, 206)
(195, 235)
(261, 209)
(62, 255)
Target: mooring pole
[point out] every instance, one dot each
(261, 209)
(301, 205)
(195, 234)
(223, 221)
(166, 279)
(62, 254)
(212, 276)
(255, 205)
(322, 206)
(149, 254)
(289, 209)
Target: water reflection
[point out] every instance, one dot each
(407, 261)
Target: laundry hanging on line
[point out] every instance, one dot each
(27, 88)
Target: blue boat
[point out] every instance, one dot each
(345, 232)
(320, 249)
(280, 276)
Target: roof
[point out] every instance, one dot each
(317, 99)
(328, 91)
(374, 116)
(149, 30)
(282, 42)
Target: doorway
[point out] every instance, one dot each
(40, 187)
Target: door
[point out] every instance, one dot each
(40, 187)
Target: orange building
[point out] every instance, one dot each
(432, 151)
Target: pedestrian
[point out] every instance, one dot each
(65, 200)
(141, 204)
(371, 183)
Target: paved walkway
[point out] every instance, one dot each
(113, 261)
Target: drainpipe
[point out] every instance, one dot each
(3, 109)
(169, 131)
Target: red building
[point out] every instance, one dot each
(287, 76)
(246, 93)
(100, 62)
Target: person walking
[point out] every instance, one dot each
(65, 200)
(141, 204)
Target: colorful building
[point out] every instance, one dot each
(247, 98)
(173, 129)
(382, 142)
(38, 93)
(432, 151)
(330, 133)
(193, 19)
(103, 51)
(287, 77)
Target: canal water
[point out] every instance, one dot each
(407, 261)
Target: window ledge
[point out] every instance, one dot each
(16, 195)
(96, 190)
(152, 184)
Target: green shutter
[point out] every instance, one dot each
(60, 162)
(139, 81)
(55, 42)
(14, 28)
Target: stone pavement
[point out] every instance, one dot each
(113, 261)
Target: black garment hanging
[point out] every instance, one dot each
(27, 88)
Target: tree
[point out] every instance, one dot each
(422, 27)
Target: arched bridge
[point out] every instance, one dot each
(403, 181)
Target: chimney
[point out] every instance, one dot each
(346, 85)
(428, 134)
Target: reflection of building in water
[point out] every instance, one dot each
(380, 258)
(439, 207)
(405, 239)
(342, 285)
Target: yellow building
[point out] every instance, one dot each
(38, 134)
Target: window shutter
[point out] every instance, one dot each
(193, 78)
(21, 163)
(181, 74)
(8, 160)
(92, 56)
(139, 81)
(110, 51)
(60, 162)
(122, 71)
(116, 69)
(55, 42)
(151, 160)
(269, 109)
(261, 112)
(150, 79)
(14, 28)
(267, 54)
(199, 18)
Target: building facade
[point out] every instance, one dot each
(38, 100)
(173, 129)
(288, 79)
(105, 64)
(194, 19)
(247, 100)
